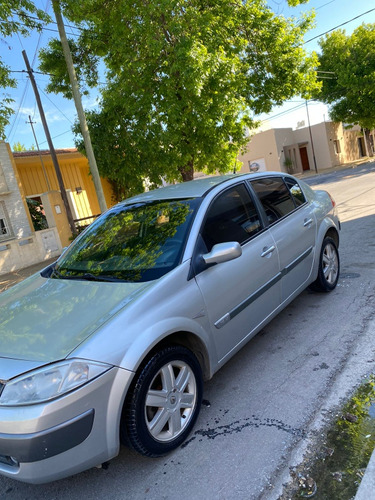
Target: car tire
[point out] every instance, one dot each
(329, 267)
(163, 403)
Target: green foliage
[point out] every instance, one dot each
(351, 89)
(351, 441)
(128, 242)
(37, 215)
(18, 147)
(16, 16)
(53, 62)
(184, 81)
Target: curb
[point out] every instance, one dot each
(366, 490)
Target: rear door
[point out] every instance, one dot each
(292, 224)
(241, 293)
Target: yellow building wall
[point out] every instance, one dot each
(76, 176)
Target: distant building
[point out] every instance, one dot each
(37, 175)
(20, 245)
(285, 149)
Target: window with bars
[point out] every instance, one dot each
(5, 226)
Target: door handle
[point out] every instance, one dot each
(307, 222)
(267, 251)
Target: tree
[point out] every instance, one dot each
(184, 80)
(16, 16)
(37, 214)
(350, 91)
(18, 147)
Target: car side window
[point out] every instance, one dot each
(231, 217)
(274, 196)
(295, 191)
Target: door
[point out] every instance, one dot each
(304, 158)
(292, 226)
(241, 293)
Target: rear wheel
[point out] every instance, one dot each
(329, 267)
(164, 403)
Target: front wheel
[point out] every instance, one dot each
(164, 402)
(329, 267)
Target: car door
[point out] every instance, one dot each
(241, 293)
(293, 227)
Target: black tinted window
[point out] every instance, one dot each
(274, 196)
(231, 217)
(295, 191)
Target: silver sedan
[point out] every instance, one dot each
(112, 343)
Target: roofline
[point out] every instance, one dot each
(43, 152)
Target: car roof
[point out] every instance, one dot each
(191, 189)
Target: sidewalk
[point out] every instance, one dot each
(346, 166)
(9, 279)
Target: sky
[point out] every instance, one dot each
(61, 114)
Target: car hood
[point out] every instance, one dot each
(45, 319)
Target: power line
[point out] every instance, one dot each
(327, 3)
(59, 135)
(284, 112)
(339, 25)
(58, 109)
(54, 22)
(43, 28)
(19, 108)
(35, 72)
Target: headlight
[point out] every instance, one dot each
(50, 382)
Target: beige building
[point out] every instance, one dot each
(320, 147)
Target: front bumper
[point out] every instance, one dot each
(44, 442)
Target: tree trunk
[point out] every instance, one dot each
(187, 172)
(366, 135)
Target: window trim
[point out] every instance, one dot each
(260, 205)
(5, 216)
(250, 194)
(296, 180)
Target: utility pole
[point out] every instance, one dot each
(40, 155)
(79, 107)
(312, 144)
(51, 147)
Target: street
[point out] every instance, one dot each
(265, 407)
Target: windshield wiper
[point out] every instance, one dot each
(86, 277)
(94, 277)
(57, 274)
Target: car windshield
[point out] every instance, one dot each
(138, 242)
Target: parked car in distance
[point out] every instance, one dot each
(113, 341)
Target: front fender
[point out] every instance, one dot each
(159, 332)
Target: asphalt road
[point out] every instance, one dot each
(267, 405)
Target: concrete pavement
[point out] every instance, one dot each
(9, 279)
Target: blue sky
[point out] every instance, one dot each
(61, 113)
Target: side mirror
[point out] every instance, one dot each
(223, 252)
